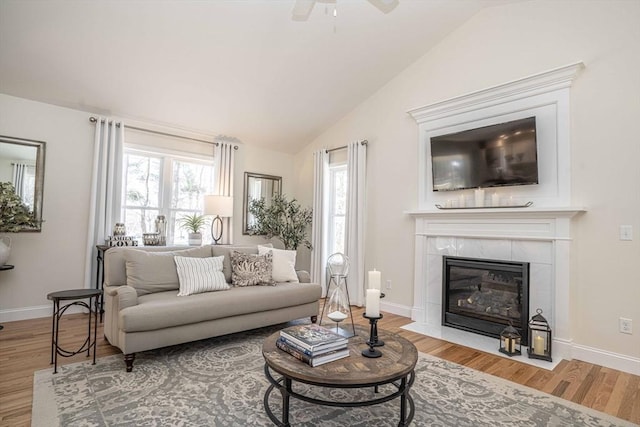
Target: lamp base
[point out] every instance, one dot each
(216, 238)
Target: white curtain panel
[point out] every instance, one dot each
(224, 167)
(318, 226)
(19, 176)
(106, 189)
(355, 220)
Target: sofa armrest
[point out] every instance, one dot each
(127, 297)
(303, 276)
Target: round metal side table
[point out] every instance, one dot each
(76, 297)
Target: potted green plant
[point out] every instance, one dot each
(14, 217)
(283, 219)
(193, 224)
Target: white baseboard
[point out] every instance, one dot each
(606, 358)
(393, 308)
(35, 312)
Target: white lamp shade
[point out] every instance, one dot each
(218, 205)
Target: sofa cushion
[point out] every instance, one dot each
(149, 272)
(284, 264)
(197, 275)
(251, 269)
(219, 250)
(162, 310)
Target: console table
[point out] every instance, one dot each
(396, 366)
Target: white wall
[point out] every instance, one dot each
(498, 45)
(54, 259)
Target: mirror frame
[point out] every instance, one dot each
(39, 184)
(245, 202)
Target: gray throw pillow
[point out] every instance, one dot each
(150, 272)
(225, 250)
(251, 269)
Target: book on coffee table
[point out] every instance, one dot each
(313, 361)
(313, 337)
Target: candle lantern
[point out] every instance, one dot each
(510, 341)
(539, 337)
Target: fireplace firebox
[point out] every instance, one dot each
(484, 296)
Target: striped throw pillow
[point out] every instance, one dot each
(197, 275)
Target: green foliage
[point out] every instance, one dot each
(283, 219)
(193, 223)
(14, 215)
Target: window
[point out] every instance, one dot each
(337, 208)
(160, 183)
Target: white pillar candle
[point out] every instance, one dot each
(479, 196)
(374, 279)
(538, 345)
(495, 199)
(373, 303)
(461, 201)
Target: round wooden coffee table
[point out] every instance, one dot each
(396, 366)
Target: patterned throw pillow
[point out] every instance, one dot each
(251, 269)
(199, 275)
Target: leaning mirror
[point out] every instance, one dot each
(22, 165)
(256, 186)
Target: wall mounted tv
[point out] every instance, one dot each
(492, 156)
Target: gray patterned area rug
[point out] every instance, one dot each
(221, 382)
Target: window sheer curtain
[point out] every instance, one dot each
(319, 225)
(355, 220)
(224, 166)
(19, 177)
(106, 190)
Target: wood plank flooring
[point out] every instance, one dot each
(25, 348)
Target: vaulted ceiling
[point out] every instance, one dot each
(244, 69)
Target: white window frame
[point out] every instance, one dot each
(334, 169)
(167, 158)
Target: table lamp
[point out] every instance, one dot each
(221, 207)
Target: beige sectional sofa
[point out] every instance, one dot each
(143, 310)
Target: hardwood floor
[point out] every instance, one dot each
(25, 348)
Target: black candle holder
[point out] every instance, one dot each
(373, 342)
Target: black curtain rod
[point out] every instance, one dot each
(363, 142)
(94, 119)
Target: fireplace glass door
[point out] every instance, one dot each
(484, 296)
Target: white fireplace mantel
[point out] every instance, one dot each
(539, 234)
(541, 237)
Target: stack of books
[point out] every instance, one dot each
(313, 344)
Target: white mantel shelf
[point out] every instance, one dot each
(506, 212)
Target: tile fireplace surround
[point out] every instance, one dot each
(538, 236)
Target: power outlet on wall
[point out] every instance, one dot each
(626, 325)
(388, 284)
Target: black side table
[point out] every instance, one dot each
(76, 296)
(2, 268)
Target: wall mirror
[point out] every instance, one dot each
(256, 186)
(22, 164)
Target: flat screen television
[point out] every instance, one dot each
(491, 156)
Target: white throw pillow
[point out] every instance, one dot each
(197, 275)
(284, 264)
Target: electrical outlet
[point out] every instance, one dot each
(388, 284)
(626, 325)
(626, 232)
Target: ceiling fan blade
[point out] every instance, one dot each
(384, 6)
(302, 9)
